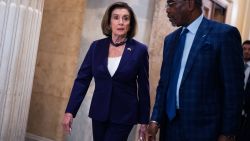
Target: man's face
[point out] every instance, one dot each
(177, 11)
(246, 52)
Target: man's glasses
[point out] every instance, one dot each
(170, 4)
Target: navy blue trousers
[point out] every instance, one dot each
(174, 131)
(171, 131)
(107, 131)
(244, 133)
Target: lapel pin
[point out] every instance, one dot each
(203, 35)
(129, 49)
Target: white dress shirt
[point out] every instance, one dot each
(247, 71)
(113, 63)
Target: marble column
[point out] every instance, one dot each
(56, 66)
(239, 17)
(246, 22)
(20, 22)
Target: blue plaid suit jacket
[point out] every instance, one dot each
(211, 89)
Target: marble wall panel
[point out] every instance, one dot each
(47, 114)
(64, 5)
(57, 84)
(61, 33)
(160, 28)
(56, 67)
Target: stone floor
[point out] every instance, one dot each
(27, 139)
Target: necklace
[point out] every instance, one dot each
(117, 44)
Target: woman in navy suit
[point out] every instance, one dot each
(119, 66)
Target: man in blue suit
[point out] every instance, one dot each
(200, 91)
(245, 118)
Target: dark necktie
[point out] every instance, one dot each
(171, 93)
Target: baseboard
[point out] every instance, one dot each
(33, 137)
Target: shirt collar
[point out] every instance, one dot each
(248, 63)
(193, 27)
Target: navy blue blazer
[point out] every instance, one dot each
(123, 98)
(212, 87)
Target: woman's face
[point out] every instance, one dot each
(120, 22)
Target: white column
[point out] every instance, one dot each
(246, 28)
(20, 23)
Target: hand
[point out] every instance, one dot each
(152, 131)
(142, 132)
(225, 138)
(67, 122)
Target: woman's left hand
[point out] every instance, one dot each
(142, 132)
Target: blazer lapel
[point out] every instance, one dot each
(171, 51)
(169, 48)
(128, 51)
(103, 52)
(197, 43)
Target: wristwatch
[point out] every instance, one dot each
(152, 121)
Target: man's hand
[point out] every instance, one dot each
(67, 122)
(152, 131)
(225, 138)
